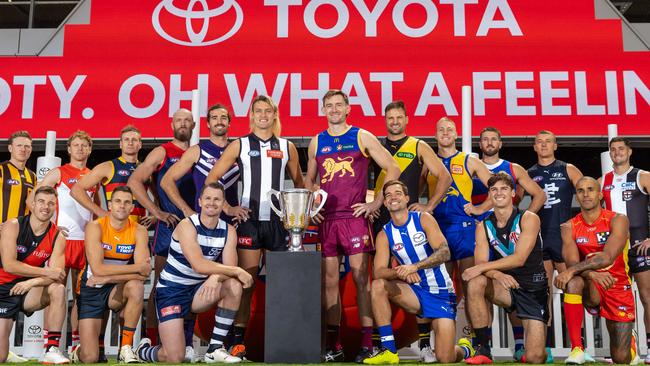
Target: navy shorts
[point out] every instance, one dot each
(435, 306)
(174, 302)
(11, 305)
(162, 238)
(461, 238)
(552, 245)
(93, 301)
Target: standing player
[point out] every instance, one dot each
(454, 213)
(155, 165)
(16, 181)
(263, 158)
(625, 191)
(490, 144)
(112, 174)
(410, 154)
(340, 155)
(71, 217)
(558, 180)
(117, 265)
(595, 251)
(420, 284)
(26, 283)
(199, 159)
(201, 272)
(509, 271)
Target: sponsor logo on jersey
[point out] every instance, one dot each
(538, 178)
(107, 246)
(254, 153)
(275, 154)
(3, 310)
(124, 173)
(628, 186)
(125, 248)
(12, 182)
(419, 238)
(170, 310)
(21, 249)
(557, 175)
(456, 169)
(582, 240)
(40, 254)
(404, 155)
(326, 149)
(246, 241)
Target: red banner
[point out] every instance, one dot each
(532, 65)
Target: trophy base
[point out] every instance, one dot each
(296, 242)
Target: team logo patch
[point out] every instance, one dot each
(405, 155)
(514, 237)
(538, 178)
(125, 249)
(275, 154)
(608, 187)
(170, 310)
(419, 238)
(366, 240)
(398, 246)
(602, 237)
(627, 195)
(246, 241)
(21, 249)
(106, 246)
(254, 153)
(12, 182)
(123, 173)
(582, 240)
(326, 149)
(332, 167)
(456, 169)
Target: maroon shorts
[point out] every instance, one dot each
(345, 237)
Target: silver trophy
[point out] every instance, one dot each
(295, 211)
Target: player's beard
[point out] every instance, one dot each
(182, 136)
(492, 152)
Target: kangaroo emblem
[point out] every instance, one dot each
(332, 167)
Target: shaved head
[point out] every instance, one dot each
(589, 181)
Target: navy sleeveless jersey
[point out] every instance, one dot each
(554, 180)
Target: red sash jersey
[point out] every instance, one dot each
(617, 303)
(31, 250)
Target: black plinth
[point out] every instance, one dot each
(293, 307)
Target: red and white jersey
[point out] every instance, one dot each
(624, 194)
(72, 216)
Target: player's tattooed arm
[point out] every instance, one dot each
(438, 257)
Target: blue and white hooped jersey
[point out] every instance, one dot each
(178, 270)
(408, 243)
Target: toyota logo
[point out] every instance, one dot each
(34, 330)
(196, 39)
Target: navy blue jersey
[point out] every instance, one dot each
(172, 154)
(554, 180)
(208, 156)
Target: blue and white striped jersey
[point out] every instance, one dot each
(178, 270)
(409, 244)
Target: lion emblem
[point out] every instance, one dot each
(332, 167)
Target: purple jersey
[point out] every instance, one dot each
(343, 169)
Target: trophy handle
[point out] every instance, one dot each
(323, 196)
(273, 193)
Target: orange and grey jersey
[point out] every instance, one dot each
(122, 170)
(15, 186)
(118, 245)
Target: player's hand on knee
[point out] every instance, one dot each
(245, 278)
(562, 280)
(96, 280)
(506, 281)
(210, 288)
(21, 288)
(603, 279)
(471, 273)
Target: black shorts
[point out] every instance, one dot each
(11, 305)
(269, 235)
(93, 301)
(552, 245)
(530, 304)
(637, 263)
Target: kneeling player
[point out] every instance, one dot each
(420, 284)
(117, 264)
(201, 272)
(509, 272)
(594, 247)
(26, 284)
